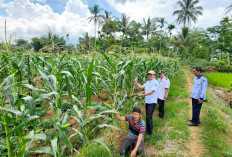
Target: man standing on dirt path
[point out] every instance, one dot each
(150, 98)
(164, 84)
(198, 94)
(135, 138)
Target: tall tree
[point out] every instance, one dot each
(188, 12)
(225, 36)
(85, 42)
(106, 18)
(170, 28)
(135, 33)
(96, 18)
(162, 22)
(35, 42)
(148, 27)
(124, 24)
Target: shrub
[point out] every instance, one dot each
(221, 66)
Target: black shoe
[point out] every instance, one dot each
(192, 124)
(192, 121)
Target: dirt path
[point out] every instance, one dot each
(195, 145)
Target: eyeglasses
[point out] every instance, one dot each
(149, 74)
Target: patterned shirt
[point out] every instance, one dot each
(135, 128)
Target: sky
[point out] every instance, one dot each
(33, 18)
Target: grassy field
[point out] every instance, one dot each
(171, 133)
(220, 79)
(217, 131)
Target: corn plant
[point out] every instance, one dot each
(32, 82)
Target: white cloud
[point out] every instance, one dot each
(28, 20)
(39, 0)
(214, 10)
(2, 4)
(210, 17)
(139, 9)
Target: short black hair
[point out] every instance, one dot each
(136, 109)
(198, 69)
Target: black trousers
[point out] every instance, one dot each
(149, 113)
(161, 108)
(196, 109)
(128, 145)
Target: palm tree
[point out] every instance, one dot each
(148, 27)
(106, 18)
(182, 39)
(186, 38)
(170, 28)
(85, 42)
(96, 18)
(188, 12)
(124, 25)
(162, 23)
(228, 9)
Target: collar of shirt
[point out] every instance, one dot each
(137, 122)
(152, 79)
(162, 78)
(199, 76)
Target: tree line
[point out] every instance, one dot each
(151, 35)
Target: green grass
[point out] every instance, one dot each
(172, 133)
(216, 133)
(220, 79)
(93, 150)
(177, 87)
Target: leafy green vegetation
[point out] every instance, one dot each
(219, 79)
(63, 86)
(57, 98)
(172, 131)
(216, 129)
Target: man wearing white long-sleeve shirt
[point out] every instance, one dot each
(150, 98)
(198, 94)
(164, 84)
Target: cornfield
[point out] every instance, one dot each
(48, 101)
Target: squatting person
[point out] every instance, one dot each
(198, 94)
(135, 138)
(164, 84)
(150, 98)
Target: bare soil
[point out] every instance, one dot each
(195, 146)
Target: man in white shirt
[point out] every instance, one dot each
(164, 84)
(150, 98)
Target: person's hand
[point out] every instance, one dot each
(139, 95)
(200, 101)
(165, 97)
(135, 81)
(133, 153)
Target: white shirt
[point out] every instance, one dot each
(163, 83)
(149, 86)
